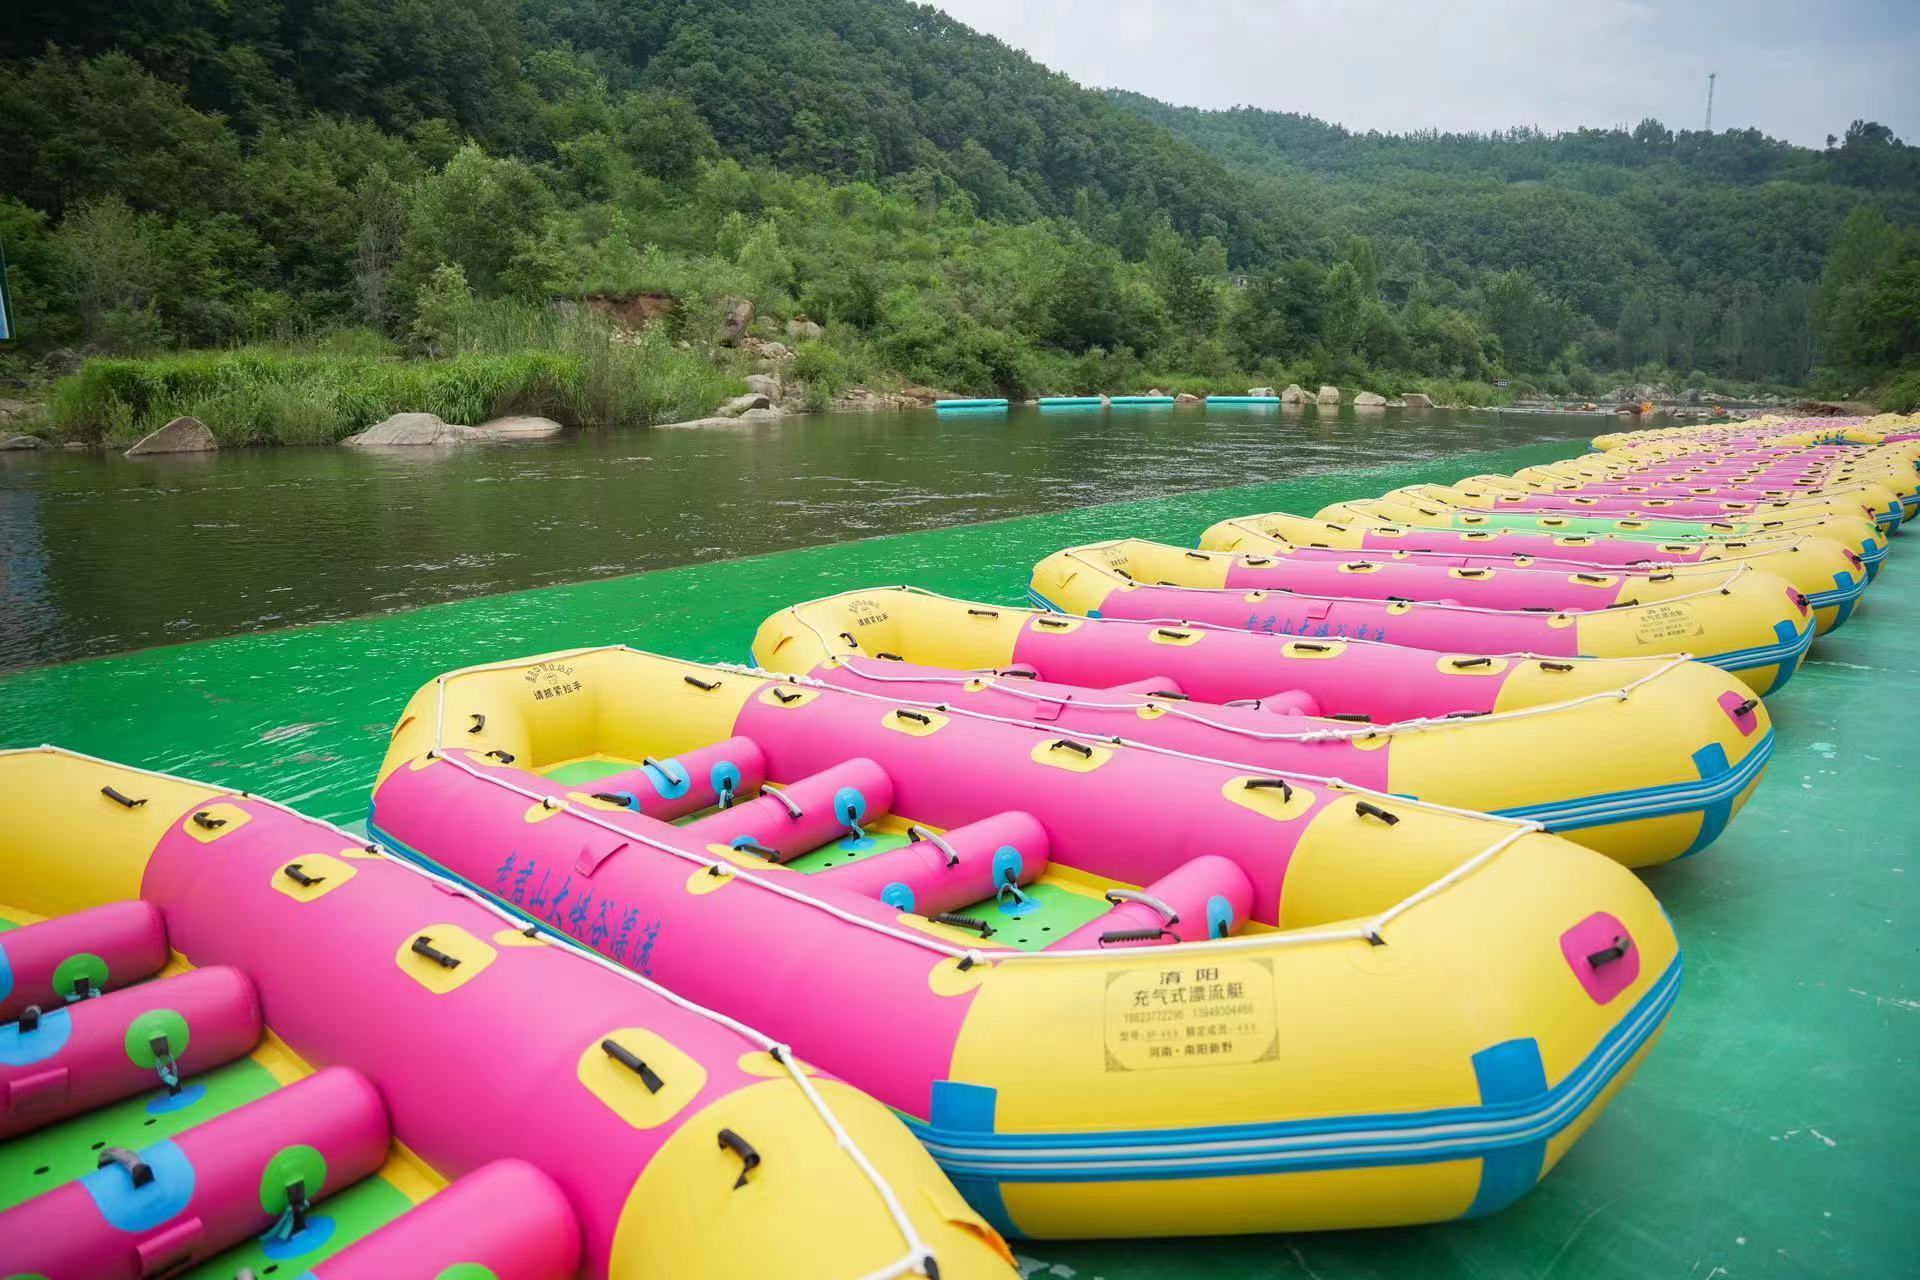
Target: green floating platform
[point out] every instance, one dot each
(944, 405)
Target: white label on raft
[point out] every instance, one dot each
(1200, 1013)
(1667, 622)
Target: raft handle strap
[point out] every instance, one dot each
(1018, 674)
(504, 757)
(787, 802)
(749, 1158)
(1198, 555)
(293, 872)
(848, 637)
(1081, 748)
(207, 822)
(624, 799)
(747, 844)
(917, 833)
(1589, 577)
(1167, 914)
(479, 722)
(137, 1169)
(165, 1065)
(1607, 955)
(82, 989)
(885, 656)
(29, 1019)
(705, 686)
(1172, 634)
(786, 698)
(981, 927)
(633, 1062)
(1746, 708)
(1050, 622)
(1168, 693)
(1556, 666)
(125, 801)
(423, 946)
(1136, 935)
(1367, 809)
(1305, 647)
(983, 613)
(1461, 664)
(918, 717)
(1263, 784)
(1354, 717)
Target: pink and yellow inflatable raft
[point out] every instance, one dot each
(1830, 576)
(1747, 622)
(1115, 989)
(238, 1038)
(1644, 760)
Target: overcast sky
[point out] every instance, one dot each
(1798, 69)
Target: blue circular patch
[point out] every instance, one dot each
(169, 1102)
(850, 805)
(1219, 917)
(897, 895)
(725, 777)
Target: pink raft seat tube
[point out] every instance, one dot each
(61, 1062)
(937, 873)
(815, 810)
(74, 956)
(506, 1220)
(687, 783)
(1205, 897)
(254, 1171)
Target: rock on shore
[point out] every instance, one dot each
(182, 435)
(1369, 400)
(411, 430)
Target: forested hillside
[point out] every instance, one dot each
(345, 176)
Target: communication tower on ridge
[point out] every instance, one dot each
(1710, 78)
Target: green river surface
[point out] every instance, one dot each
(1772, 1131)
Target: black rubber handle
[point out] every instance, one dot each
(749, 1158)
(293, 872)
(423, 946)
(479, 722)
(122, 800)
(207, 822)
(1069, 744)
(981, 927)
(1266, 784)
(705, 686)
(1607, 955)
(1131, 935)
(137, 1169)
(633, 1062)
(1368, 810)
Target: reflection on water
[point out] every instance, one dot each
(101, 554)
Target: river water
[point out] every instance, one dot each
(100, 554)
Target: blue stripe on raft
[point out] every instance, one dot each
(1511, 1071)
(1289, 1146)
(1793, 643)
(1717, 787)
(969, 1108)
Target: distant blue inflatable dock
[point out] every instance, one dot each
(1124, 402)
(944, 405)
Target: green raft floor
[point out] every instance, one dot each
(1772, 1132)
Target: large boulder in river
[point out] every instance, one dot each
(742, 404)
(1369, 400)
(1328, 395)
(519, 427)
(21, 441)
(734, 321)
(412, 430)
(1186, 397)
(1417, 400)
(182, 435)
(1294, 394)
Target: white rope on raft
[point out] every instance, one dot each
(1718, 588)
(918, 1254)
(1369, 932)
(1625, 569)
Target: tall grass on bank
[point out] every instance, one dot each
(572, 369)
